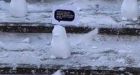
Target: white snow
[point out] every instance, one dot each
(92, 35)
(115, 51)
(88, 49)
(93, 13)
(18, 8)
(60, 47)
(97, 21)
(26, 40)
(129, 9)
(58, 73)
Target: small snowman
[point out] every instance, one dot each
(18, 8)
(60, 47)
(129, 10)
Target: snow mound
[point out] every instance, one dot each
(97, 20)
(18, 8)
(60, 46)
(58, 73)
(18, 46)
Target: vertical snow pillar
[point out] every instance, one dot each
(129, 10)
(60, 47)
(18, 8)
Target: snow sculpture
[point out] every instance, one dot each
(60, 47)
(129, 10)
(18, 8)
(58, 73)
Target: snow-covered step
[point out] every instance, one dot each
(38, 28)
(50, 71)
(120, 31)
(125, 52)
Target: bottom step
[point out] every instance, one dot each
(41, 71)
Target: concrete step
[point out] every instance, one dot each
(38, 28)
(120, 31)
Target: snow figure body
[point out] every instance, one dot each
(129, 10)
(18, 8)
(60, 47)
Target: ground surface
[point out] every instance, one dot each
(87, 49)
(93, 50)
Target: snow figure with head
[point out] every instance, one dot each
(129, 10)
(60, 47)
(18, 8)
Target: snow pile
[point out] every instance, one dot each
(87, 50)
(115, 51)
(58, 73)
(18, 8)
(26, 40)
(60, 47)
(18, 46)
(97, 21)
(88, 37)
(16, 58)
(129, 12)
(93, 13)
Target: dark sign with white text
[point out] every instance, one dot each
(64, 15)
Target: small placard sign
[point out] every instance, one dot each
(64, 16)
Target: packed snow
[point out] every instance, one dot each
(18, 8)
(97, 50)
(60, 47)
(129, 12)
(93, 13)
(89, 49)
(58, 73)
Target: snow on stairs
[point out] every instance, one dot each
(47, 28)
(43, 69)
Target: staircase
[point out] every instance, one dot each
(104, 16)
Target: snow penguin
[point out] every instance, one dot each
(129, 10)
(18, 8)
(60, 47)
